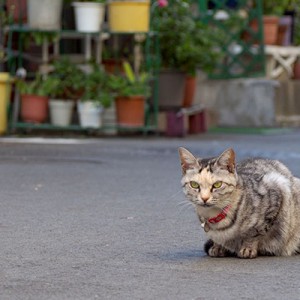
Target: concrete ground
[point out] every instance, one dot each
(104, 219)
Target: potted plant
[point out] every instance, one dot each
(5, 92)
(129, 15)
(89, 15)
(186, 44)
(44, 15)
(64, 94)
(131, 92)
(94, 99)
(34, 98)
(5, 79)
(272, 11)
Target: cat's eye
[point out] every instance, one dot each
(217, 184)
(194, 185)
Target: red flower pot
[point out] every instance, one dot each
(34, 109)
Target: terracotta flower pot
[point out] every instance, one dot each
(189, 91)
(34, 109)
(130, 111)
(270, 30)
(271, 24)
(112, 65)
(297, 70)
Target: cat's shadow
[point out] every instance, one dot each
(183, 255)
(189, 255)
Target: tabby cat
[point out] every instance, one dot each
(246, 209)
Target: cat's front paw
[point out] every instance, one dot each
(217, 251)
(214, 250)
(247, 252)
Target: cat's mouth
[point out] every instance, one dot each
(205, 204)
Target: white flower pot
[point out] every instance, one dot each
(44, 14)
(61, 112)
(110, 120)
(90, 114)
(89, 16)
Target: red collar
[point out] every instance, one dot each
(222, 215)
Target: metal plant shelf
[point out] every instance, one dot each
(47, 126)
(15, 60)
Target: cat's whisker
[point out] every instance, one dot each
(183, 203)
(178, 192)
(174, 195)
(185, 206)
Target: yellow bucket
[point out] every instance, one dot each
(5, 90)
(129, 16)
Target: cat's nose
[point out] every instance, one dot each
(204, 199)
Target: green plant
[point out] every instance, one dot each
(70, 79)
(39, 86)
(40, 37)
(186, 44)
(96, 87)
(130, 84)
(276, 7)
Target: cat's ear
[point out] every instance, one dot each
(227, 160)
(188, 160)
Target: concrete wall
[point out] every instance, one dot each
(239, 102)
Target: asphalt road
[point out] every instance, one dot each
(104, 219)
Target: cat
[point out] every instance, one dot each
(247, 209)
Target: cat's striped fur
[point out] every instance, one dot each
(262, 201)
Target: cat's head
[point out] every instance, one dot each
(208, 182)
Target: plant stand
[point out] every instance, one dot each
(281, 60)
(150, 60)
